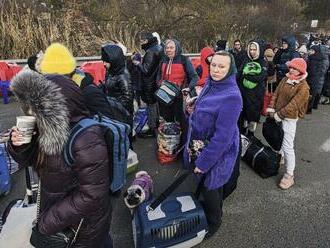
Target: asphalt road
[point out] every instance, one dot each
(258, 214)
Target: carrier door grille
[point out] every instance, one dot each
(176, 230)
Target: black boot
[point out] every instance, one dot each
(316, 101)
(310, 104)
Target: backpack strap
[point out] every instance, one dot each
(81, 126)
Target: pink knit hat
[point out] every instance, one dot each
(298, 64)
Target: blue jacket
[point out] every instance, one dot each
(215, 120)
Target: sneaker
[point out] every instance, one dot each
(286, 181)
(325, 100)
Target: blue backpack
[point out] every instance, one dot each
(116, 137)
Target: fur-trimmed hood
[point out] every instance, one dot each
(56, 102)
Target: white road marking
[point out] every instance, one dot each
(325, 147)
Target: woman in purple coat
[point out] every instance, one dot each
(213, 138)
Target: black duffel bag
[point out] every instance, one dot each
(273, 133)
(262, 159)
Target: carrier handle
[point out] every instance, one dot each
(167, 191)
(172, 187)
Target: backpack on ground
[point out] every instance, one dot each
(116, 137)
(262, 159)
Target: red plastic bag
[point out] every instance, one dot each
(165, 159)
(96, 69)
(267, 99)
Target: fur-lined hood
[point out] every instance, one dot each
(49, 98)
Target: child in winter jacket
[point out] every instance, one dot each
(288, 104)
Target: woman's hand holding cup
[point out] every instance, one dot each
(23, 131)
(16, 137)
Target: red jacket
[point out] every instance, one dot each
(205, 52)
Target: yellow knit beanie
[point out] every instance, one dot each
(57, 60)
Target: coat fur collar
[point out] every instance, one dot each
(296, 81)
(42, 98)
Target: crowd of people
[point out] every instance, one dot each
(216, 101)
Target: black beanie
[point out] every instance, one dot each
(146, 36)
(31, 61)
(221, 45)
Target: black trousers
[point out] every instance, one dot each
(213, 199)
(212, 204)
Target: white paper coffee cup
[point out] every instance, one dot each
(25, 125)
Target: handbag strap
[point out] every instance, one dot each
(38, 200)
(76, 232)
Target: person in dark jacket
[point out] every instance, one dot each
(213, 143)
(118, 83)
(221, 45)
(179, 70)
(318, 64)
(239, 54)
(135, 76)
(252, 81)
(149, 70)
(69, 195)
(271, 72)
(286, 53)
(99, 103)
(326, 87)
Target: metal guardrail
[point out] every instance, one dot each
(81, 60)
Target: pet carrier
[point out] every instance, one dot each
(170, 221)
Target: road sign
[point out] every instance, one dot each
(314, 23)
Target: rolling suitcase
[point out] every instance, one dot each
(170, 221)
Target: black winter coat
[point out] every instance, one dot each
(326, 86)
(318, 64)
(239, 57)
(97, 102)
(149, 70)
(118, 81)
